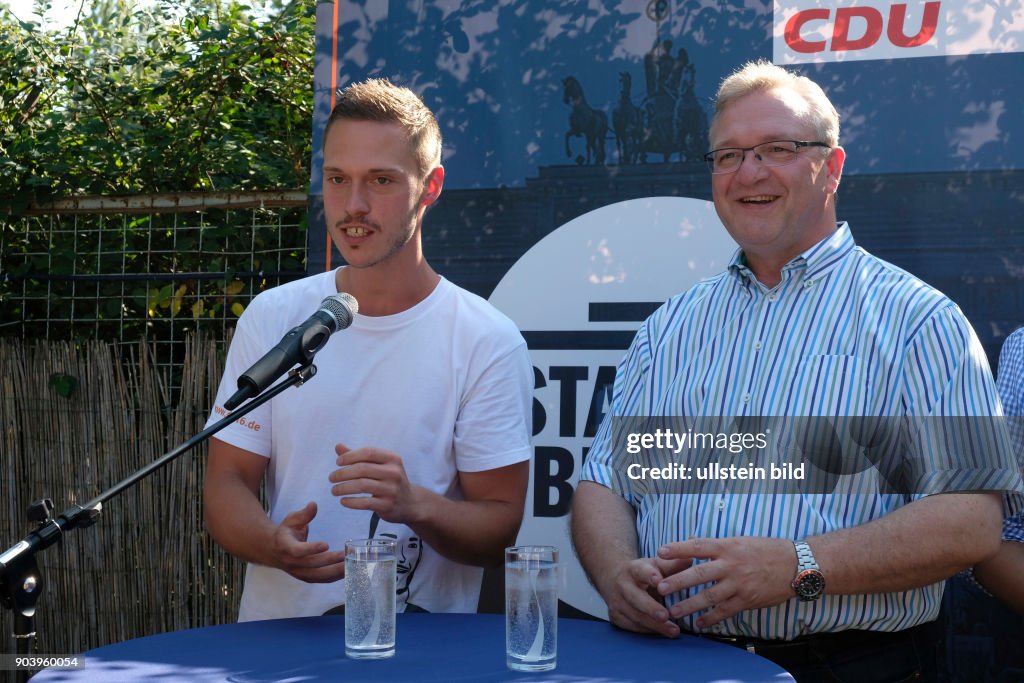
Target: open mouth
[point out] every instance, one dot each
(356, 231)
(759, 199)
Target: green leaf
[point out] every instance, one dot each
(64, 385)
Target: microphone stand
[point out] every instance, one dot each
(21, 584)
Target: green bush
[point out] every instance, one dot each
(205, 95)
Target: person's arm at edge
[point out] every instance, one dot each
(1002, 575)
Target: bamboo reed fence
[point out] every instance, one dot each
(147, 566)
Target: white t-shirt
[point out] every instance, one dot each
(446, 384)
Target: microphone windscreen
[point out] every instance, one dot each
(342, 307)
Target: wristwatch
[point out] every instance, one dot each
(809, 583)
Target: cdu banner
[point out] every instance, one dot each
(847, 30)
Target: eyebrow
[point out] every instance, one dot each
(393, 170)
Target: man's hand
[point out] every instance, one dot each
(633, 600)
(473, 530)
(235, 517)
(379, 473)
(310, 562)
(742, 573)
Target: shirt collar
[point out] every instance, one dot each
(815, 261)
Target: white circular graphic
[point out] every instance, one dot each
(578, 296)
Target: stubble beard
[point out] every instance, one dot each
(396, 244)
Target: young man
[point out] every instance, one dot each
(803, 323)
(417, 423)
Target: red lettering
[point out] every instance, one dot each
(841, 31)
(249, 424)
(796, 22)
(898, 20)
(873, 26)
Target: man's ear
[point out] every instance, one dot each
(836, 159)
(432, 186)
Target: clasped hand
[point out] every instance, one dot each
(737, 574)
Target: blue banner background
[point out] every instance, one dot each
(492, 72)
(934, 180)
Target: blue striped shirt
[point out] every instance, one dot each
(843, 333)
(1010, 382)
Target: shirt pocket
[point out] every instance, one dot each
(833, 385)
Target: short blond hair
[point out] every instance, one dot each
(762, 75)
(378, 99)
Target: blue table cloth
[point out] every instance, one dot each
(429, 647)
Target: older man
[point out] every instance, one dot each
(803, 323)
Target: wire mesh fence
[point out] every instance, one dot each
(152, 268)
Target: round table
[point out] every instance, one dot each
(430, 647)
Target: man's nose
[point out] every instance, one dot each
(752, 165)
(357, 201)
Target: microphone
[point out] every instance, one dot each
(298, 346)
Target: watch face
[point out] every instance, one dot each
(809, 584)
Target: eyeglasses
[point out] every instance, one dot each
(771, 153)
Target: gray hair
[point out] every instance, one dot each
(761, 75)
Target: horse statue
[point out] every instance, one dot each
(584, 121)
(627, 122)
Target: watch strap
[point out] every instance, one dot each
(809, 582)
(804, 557)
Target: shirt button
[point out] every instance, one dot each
(771, 297)
(757, 346)
(808, 284)
(746, 398)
